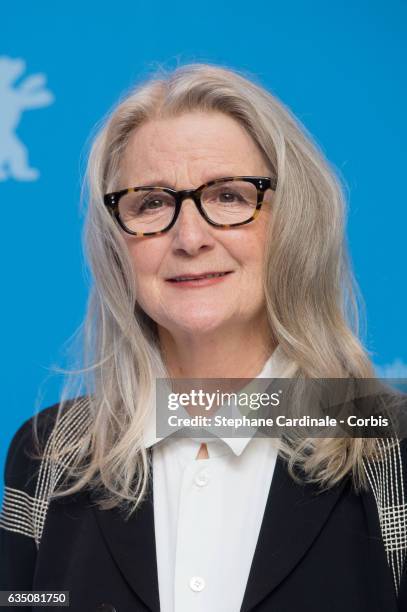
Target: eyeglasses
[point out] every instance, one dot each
(224, 202)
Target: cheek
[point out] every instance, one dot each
(144, 259)
(145, 262)
(252, 250)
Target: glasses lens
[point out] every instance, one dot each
(146, 210)
(230, 202)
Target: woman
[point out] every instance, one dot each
(215, 234)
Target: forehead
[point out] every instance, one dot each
(195, 146)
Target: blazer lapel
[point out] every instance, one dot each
(132, 545)
(293, 517)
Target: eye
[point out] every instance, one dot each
(224, 195)
(152, 204)
(229, 197)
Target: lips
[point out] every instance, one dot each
(189, 277)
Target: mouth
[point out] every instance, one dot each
(197, 277)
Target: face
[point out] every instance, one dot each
(183, 153)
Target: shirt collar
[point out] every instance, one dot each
(273, 368)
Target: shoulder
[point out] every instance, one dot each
(28, 477)
(387, 476)
(24, 446)
(31, 437)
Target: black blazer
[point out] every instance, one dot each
(316, 552)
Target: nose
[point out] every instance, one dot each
(191, 233)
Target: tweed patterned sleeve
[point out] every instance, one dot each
(387, 478)
(18, 549)
(403, 583)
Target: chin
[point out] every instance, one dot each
(200, 323)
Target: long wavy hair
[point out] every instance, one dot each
(311, 296)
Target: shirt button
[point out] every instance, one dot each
(197, 583)
(202, 479)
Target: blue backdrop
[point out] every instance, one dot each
(339, 66)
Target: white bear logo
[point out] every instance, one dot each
(30, 93)
(397, 369)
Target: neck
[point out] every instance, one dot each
(232, 354)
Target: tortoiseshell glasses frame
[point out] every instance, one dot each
(262, 183)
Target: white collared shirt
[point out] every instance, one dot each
(208, 514)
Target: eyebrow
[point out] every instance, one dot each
(212, 177)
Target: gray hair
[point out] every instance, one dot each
(310, 292)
